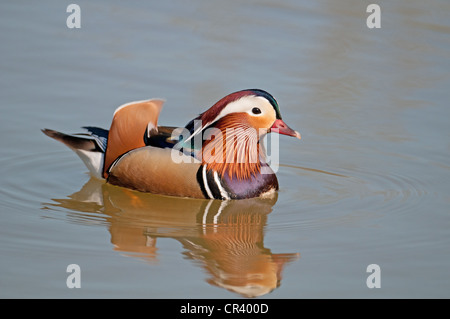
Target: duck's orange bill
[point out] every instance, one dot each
(282, 128)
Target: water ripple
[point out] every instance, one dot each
(28, 179)
(346, 196)
(311, 197)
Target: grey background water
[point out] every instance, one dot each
(367, 184)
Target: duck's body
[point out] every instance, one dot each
(215, 156)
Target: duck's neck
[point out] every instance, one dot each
(232, 150)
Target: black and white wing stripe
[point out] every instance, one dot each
(99, 135)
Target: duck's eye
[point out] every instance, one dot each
(256, 110)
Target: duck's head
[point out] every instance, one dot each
(232, 128)
(253, 108)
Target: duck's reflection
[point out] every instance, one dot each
(225, 237)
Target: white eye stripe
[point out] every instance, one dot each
(246, 105)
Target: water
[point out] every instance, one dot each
(367, 184)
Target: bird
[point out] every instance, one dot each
(217, 155)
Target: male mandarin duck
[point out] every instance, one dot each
(217, 155)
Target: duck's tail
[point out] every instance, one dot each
(90, 147)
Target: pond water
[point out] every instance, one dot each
(368, 183)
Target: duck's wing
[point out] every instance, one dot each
(100, 135)
(131, 122)
(162, 138)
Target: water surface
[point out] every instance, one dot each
(367, 184)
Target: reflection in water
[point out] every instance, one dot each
(225, 237)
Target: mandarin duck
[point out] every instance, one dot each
(217, 155)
